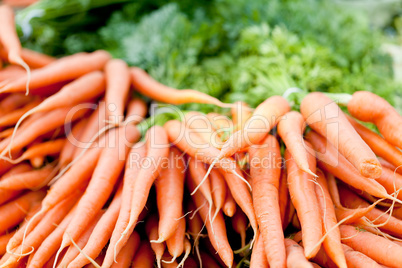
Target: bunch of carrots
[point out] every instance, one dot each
(87, 180)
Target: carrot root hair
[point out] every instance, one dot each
(83, 253)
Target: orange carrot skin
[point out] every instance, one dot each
(302, 193)
(321, 113)
(130, 174)
(240, 224)
(329, 159)
(11, 118)
(216, 230)
(380, 146)
(264, 118)
(175, 244)
(258, 257)
(265, 183)
(332, 242)
(240, 113)
(101, 184)
(147, 86)
(8, 35)
(369, 107)
(169, 194)
(376, 247)
(14, 212)
(391, 181)
(229, 207)
(67, 152)
(28, 180)
(295, 256)
(358, 259)
(117, 89)
(218, 188)
(144, 257)
(137, 109)
(127, 253)
(35, 59)
(3, 242)
(101, 233)
(151, 228)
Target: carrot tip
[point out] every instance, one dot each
(310, 172)
(160, 240)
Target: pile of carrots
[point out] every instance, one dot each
(87, 180)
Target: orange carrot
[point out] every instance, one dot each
(258, 258)
(208, 261)
(223, 127)
(136, 110)
(290, 129)
(284, 203)
(144, 257)
(128, 251)
(218, 189)
(101, 233)
(333, 189)
(358, 259)
(157, 150)
(117, 88)
(266, 173)
(35, 59)
(151, 229)
(295, 256)
(110, 164)
(321, 113)
(216, 229)
(386, 164)
(169, 195)
(241, 112)
(28, 180)
(239, 224)
(302, 193)
(137, 153)
(378, 248)
(369, 107)
(391, 181)
(332, 242)
(64, 69)
(73, 137)
(229, 207)
(9, 40)
(4, 240)
(18, 169)
(380, 146)
(11, 118)
(11, 72)
(331, 161)
(175, 244)
(149, 87)
(14, 212)
(13, 102)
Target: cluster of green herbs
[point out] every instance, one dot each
(231, 49)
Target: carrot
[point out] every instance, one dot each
(369, 107)
(128, 251)
(50, 245)
(175, 244)
(149, 87)
(18, 169)
(332, 242)
(241, 112)
(137, 153)
(239, 224)
(136, 111)
(208, 261)
(302, 193)
(73, 137)
(43, 125)
(98, 261)
(14, 101)
(11, 118)
(218, 189)
(101, 233)
(144, 257)
(331, 161)
(391, 181)
(14, 212)
(110, 164)
(384, 163)
(229, 207)
(169, 195)
(258, 258)
(333, 189)
(242, 196)
(386, 222)
(4, 240)
(200, 123)
(295, 256)
(10, 72)
(223, 126)
(72, 251)
(44, 228)
(151, 229)
(216, 229)
(380, 146)
(35, 59)
(28, 180)
(64, 69)
(157, 151)
(379, 249)
(51, 147)
(358, 259)
(117, 89)
(9, 40)
(283, 199)
(290, 129)
(320, 113)
(264, 118)
(266, 173)
(190, 142)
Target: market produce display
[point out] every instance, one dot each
(112, 162)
